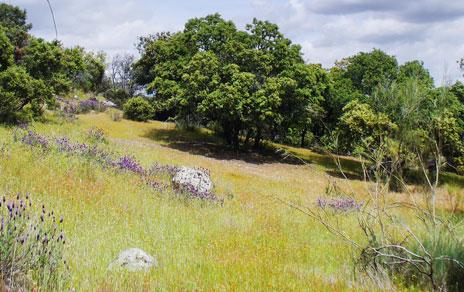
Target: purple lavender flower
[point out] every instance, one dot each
(162, 169)
(91, 104)
(34, 139)
(339, 204)
(129, 163)
(195, 193)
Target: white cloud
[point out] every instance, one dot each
(430, 30)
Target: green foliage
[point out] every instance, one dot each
(307, 89)
(93, 73)
(18, 89)
(6, 51)
(362, 129)
(138, 109)
(368, 70)
(342, 92)
(415, 69)
(47, 61)
(13, 20)
(458, 90)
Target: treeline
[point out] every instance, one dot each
(33, 71)
(253, 85)
(249, 86)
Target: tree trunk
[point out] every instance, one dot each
(258, 138)
(236, 137)
(303, 136)
(247, 137)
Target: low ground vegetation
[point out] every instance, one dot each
(279, 239)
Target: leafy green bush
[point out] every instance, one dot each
(138, 109)
(6, 51)
(17, 90)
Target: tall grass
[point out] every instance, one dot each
(252, 242)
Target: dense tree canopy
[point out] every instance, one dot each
(243, 81)
(367, 70)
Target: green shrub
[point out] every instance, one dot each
(6, 51)
(138, 109)
(17, 90)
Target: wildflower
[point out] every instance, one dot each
(339, 204)
(128, 163)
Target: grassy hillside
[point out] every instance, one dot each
(251, 242)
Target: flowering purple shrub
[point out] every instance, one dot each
(193, 192)
(339, 204)
(157, 169)
(34, 139)
(91, 104)
(156, 185)
(130, 164)
(81, 149)
(31, 244)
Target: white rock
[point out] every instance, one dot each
(109, 103)
(134, 259)
(197, 178)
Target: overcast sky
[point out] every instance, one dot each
(328, 30)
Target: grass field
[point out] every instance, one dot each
(251, 242)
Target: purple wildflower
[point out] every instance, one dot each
(162, 169)
(129, 163)
(34, 139)
(339, 204)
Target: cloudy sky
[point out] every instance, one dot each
(429, 30)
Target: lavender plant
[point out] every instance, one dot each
(160, 169)
(193, 192)
(31, 245)
(34, 139)
(339, 204)
(96, 135)
(130, 164)
(91, 104)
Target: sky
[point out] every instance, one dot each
(327, 30)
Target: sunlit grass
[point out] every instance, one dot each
(252, 242)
